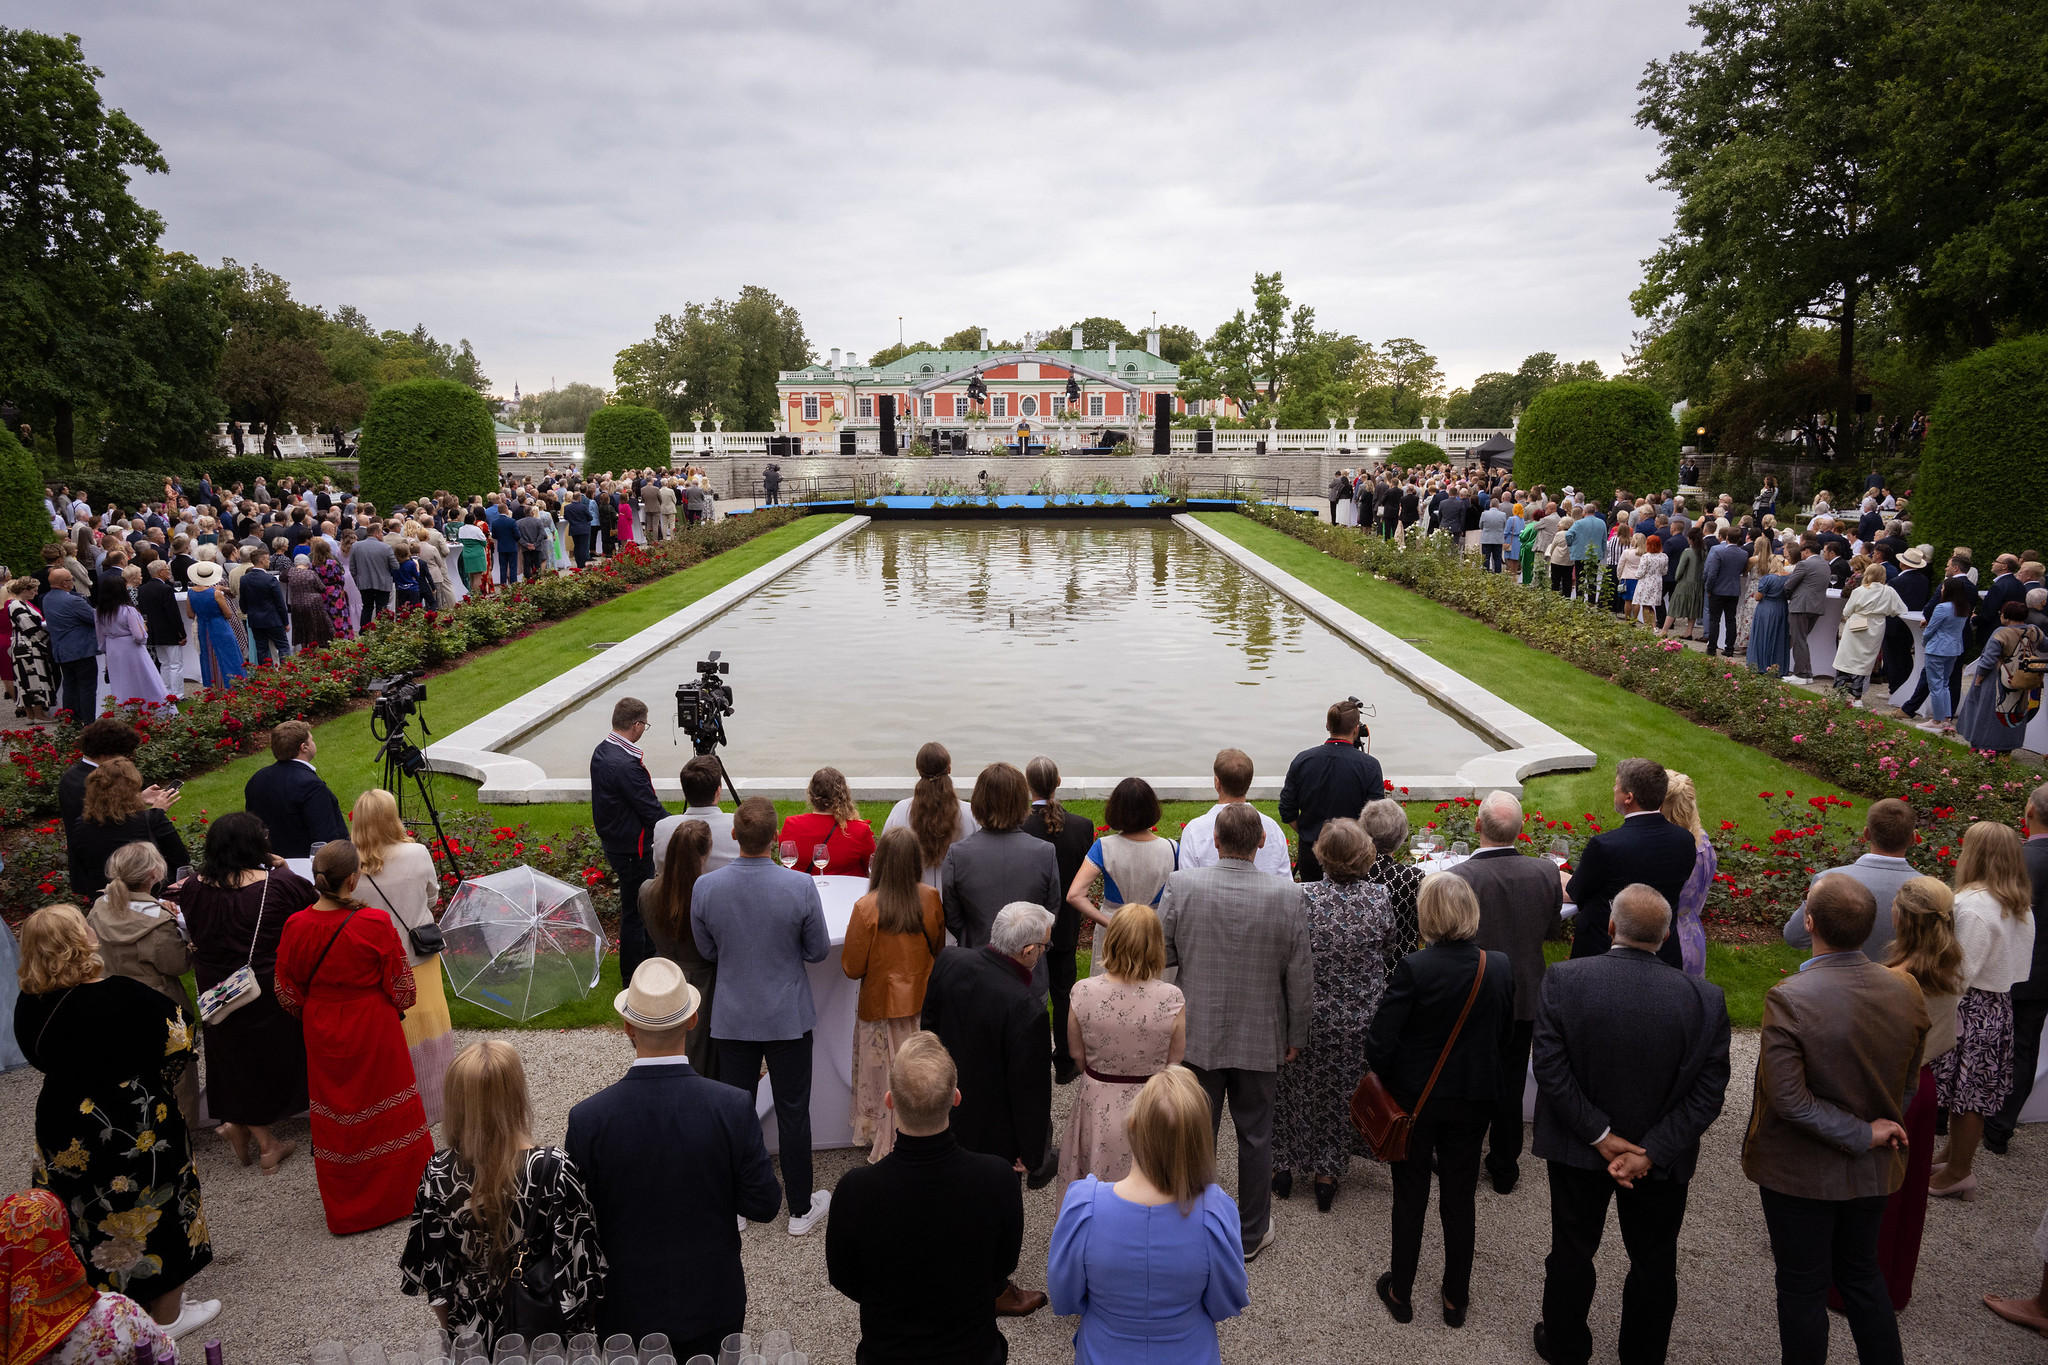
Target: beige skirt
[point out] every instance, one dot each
(874, 1045)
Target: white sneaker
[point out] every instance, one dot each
(193, 1314)
(1795, 678)
(1272, 1236)
(820, 1201)
(743, 1222)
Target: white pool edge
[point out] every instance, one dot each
(476, 750)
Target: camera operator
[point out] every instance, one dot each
(1336, 778)
(624, 810)
(291, 799)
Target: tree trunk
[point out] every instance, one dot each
(66, 434)
(1845, 373)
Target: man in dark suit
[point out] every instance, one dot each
(1519, 902)
(1070, 841)
(74, 643)
(1336, 778)
(289, 797)
(1451, 516)
(264, 604)
(2005, 587)
(1631, 1069)
(925, 1239)
(1646, 848)
(672, 1161)
(581, 522)
(624, 811)
(157, 600)
(2029, 997)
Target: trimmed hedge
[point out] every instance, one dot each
(621, 436)
(1598, 435)
(1415, 454)
(1984, 471)
(424, 435)
(24, 525)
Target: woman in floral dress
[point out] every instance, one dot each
(1350, 931)
(333, 590)
(109, 1140)
(1123, 1027)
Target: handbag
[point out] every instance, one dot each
(239, 986)
(425, 939)
(1379, 1117)
(528, 1304)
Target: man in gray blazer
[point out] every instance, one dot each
(1889, 828)
(1806, 593)
(1631, 1070)
(1520, 901)
(1240, 939)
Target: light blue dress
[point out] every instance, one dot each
(1149, 1283)
(220, 652)
(1770, 628)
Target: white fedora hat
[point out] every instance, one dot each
(659, 997)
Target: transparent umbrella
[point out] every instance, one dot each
(520, 942)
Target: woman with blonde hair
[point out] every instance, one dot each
(1682, 808)
(491, 1190)
(398, 878)
(833, 822)
(665, 910)
(892, 939)
(933, 811)
(1124, 1027)
(1996, 933)
(1152, 1262)
(142, 938)
(110, 1141)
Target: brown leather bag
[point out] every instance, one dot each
(1375, 1112)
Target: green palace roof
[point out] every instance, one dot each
(919, 365)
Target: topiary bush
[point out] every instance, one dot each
(1414, 454)
(622, 437)
(24, 524)
(1598, 435)
(1984, 470)
(423, 435)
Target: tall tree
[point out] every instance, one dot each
(177, 338)
(273, 369)
(1250, 352)
(77, 252)
(716, 360)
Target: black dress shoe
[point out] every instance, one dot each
(1283, 1184)
(1543, 1346)
(1043, 1176)
(1454, 1317)
(1504, 1181)
(1400, 1312)
(1326, 1195)
(1995, 1144)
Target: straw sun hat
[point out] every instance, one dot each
(659, 997)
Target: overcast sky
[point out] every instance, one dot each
(547, 178)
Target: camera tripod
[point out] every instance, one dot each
(402, 759)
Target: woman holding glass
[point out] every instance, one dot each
(833, 824)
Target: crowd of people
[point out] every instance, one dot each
(199, 586)
(1754, 583)
(1222, 975)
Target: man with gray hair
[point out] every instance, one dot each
(1520, 900)
(982, 1005)
(1631, 1069)
(1247, 976)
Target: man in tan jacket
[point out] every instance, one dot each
(1826, 1143)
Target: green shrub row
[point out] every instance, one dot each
(425, 435)
(621, 437)
(1984, 471)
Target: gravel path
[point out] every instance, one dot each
(287, 1284)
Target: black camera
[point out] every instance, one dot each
(703, 703)
(1364, 731)
(397, 699)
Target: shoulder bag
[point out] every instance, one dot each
(424, 939)
(239, 986)
(1379, 1117)
(528, 1303)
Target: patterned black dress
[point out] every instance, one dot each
(1351, 930)
(1403, 882)
(446, 1252)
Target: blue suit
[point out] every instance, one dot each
(75, 642)
(669, 1159)
(264, 604)
(296, 806)
(505, 535)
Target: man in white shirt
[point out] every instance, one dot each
(701, 776)
(1233, 770)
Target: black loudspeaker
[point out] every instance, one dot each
(1205, 440)
(1162, 424)
(888, 412)
(1863, 402)
(847, 443)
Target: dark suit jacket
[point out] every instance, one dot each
(2035, 987)
(263, 601)
(993, 1020)
(1416, 1015)
(159, 608)
(1329, 781)
(669, 1159)
(1646, 848)
(90, 845)
(1623, 1042)
(296, 806)
(1070, 846)
(623, 807)
(71, 793)
(1519, 900)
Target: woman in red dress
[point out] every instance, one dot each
(345, 976)
(834, 821)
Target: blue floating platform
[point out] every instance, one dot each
(1010, 506)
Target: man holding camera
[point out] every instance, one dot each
(1335, 779)
(624, 811)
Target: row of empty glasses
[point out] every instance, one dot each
(467, 1348)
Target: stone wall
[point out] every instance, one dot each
(1307, 474)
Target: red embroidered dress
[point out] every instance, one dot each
(370, 1138)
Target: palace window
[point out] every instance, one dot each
(1059, 405)
(999, 406)
(924, 406)
(810, 407)
(1095, 405)
(864, 406)
(1029, 407)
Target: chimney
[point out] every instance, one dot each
(1152, 341)
(835, 357)
(1077, 338)
(1112, 353)
(984, 338)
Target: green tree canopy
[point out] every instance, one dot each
(623, 437)
(893, 353)
(421, 435)
(1493, 398)
(1598, 435)
(565, 409)
(24, 525)
(1984, 471)
(716, 360)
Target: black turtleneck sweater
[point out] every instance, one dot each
(923, 1241)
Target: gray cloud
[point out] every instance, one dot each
(546, 179)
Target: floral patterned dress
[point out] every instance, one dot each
(110, 1142)
(446, 1251)
(334, 591)
(1126, 1034)
(1403, 882)
(1352, 931)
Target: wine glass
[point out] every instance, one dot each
(653, 1344)
(733, 1347)
(1560, 851)
(1461, 849)
(774, 1346)
(820, 855)
(546, 1344)
(788, 850)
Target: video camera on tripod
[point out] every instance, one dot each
(397, 703)
(703, 703)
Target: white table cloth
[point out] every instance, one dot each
(837, 1000)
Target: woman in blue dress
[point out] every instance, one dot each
(220, 653)
(1770, 628)
(1154, 1261)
